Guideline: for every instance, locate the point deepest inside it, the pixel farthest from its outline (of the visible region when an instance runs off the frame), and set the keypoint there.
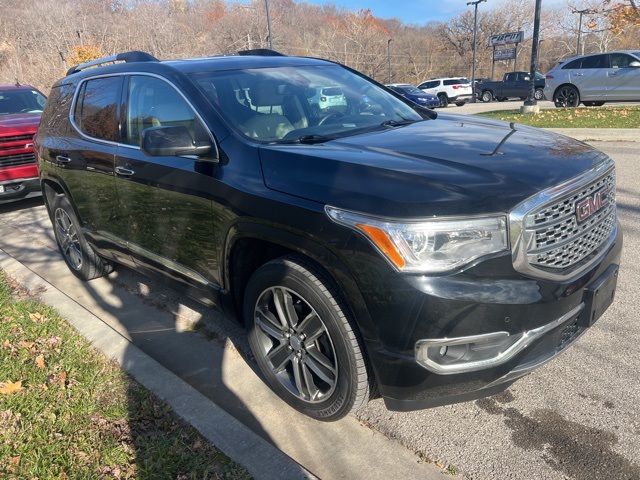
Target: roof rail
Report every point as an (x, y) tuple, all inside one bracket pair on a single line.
[(133, 56), (261, 52)]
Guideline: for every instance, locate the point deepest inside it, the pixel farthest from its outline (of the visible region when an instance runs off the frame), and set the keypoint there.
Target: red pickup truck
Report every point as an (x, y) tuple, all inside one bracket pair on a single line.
[(20, 111)]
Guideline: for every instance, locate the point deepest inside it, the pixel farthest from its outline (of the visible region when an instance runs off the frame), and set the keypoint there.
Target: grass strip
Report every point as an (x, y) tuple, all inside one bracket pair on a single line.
[(66, 412), (587, 117)]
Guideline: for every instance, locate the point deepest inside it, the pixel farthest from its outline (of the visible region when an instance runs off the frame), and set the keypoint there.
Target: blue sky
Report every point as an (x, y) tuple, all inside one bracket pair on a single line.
[(419, 12)]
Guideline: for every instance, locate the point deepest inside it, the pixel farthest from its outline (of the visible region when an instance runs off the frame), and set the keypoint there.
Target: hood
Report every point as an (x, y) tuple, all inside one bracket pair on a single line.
[(447, 166), (19, 123)]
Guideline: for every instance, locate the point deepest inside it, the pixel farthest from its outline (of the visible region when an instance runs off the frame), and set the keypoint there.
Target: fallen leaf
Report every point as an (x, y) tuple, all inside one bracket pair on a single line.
[(11, 387), (37, 317), (40, 362), (27, 345)]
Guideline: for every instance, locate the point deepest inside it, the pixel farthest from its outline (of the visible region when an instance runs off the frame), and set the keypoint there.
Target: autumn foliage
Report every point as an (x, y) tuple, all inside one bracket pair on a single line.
[(84, 53)]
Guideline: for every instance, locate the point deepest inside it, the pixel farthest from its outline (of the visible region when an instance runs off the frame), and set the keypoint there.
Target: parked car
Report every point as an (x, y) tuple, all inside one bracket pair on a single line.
[(20, 110), (328, 98), (449, 90), (415, 94), (384, 249), (595, 79), (513, 85)]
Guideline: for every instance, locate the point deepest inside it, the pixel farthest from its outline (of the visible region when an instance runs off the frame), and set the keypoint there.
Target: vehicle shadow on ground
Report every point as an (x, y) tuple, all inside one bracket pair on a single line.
[(189, 339)]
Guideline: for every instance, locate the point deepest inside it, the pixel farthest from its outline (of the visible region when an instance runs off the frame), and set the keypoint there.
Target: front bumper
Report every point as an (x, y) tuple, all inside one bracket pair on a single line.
[(494, 330), (19, 189)]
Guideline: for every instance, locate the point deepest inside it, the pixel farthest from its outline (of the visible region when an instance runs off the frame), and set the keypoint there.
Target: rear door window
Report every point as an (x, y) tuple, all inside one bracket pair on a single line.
[(595, 61)]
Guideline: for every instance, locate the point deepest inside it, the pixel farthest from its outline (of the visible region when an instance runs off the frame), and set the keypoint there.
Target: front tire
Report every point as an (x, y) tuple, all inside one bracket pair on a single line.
[(566, 96), (444, 100), (305, 340), (81, 259), (538, 94)]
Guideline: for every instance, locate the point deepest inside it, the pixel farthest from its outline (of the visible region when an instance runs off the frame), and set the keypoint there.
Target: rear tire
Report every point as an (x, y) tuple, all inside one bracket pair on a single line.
[(81, 259), (305, 340), (487, 96), (566, 96), (444, 100)]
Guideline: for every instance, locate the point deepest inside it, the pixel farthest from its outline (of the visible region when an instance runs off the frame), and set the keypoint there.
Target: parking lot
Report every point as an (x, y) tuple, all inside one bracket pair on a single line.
[(576, 417)]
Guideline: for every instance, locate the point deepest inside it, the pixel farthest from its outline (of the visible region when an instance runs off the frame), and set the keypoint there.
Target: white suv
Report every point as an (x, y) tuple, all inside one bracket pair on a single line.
[(449, 90)]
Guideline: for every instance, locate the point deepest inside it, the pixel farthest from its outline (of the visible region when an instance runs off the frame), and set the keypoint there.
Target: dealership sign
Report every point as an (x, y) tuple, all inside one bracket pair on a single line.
[(506, 39), (504, 54)]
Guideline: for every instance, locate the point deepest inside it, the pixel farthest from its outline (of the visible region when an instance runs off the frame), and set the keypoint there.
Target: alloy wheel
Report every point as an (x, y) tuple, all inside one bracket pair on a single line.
[(567, 97), (296, 344), (67, 237)]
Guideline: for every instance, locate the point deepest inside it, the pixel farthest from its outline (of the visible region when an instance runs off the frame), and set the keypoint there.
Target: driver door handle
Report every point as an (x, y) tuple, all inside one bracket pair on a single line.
[(124, 171)]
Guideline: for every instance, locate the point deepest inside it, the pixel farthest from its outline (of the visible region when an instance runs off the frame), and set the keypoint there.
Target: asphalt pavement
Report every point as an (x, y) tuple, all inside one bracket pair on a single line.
[(208, 378)]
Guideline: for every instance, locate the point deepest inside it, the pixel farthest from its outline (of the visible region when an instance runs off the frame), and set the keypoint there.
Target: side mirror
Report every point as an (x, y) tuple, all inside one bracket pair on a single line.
[(634, 64), (172, 140)]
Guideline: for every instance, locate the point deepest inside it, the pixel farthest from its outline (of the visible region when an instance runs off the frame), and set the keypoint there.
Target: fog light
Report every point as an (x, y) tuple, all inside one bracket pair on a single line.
[(466, 354), (447, 356)]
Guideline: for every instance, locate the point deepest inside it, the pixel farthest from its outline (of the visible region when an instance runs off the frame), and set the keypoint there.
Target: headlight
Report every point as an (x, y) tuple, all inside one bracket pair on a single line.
[(430, 245)]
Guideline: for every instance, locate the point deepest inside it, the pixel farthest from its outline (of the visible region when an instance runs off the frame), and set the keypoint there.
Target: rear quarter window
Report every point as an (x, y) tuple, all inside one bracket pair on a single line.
[(577, 63), (56, 111), (96, 110)]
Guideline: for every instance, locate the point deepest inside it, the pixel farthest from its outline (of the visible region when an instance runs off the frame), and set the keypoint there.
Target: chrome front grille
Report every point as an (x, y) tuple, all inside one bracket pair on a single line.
[(565, 228)]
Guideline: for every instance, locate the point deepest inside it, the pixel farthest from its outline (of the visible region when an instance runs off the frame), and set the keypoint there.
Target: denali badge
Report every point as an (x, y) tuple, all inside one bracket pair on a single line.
[(590, 205)]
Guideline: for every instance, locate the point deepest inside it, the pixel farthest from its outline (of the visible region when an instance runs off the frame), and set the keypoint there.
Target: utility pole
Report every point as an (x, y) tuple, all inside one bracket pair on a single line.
[(473, 66), (531, 101), (389, 57), (581, 12), (266, 2)]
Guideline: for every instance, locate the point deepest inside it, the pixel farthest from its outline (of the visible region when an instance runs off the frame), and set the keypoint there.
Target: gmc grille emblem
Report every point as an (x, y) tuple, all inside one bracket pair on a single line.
[(590, 205)]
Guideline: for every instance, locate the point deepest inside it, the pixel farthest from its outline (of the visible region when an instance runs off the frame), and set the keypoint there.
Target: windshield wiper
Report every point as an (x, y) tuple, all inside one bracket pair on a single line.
[(396, 123), (310, 139)]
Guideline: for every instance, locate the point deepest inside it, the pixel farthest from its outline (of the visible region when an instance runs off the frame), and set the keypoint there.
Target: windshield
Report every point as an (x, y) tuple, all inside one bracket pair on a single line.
[(21, 101), (303, 103)]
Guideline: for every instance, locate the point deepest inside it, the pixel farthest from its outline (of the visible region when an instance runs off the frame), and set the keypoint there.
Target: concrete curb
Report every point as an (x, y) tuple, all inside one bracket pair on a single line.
[(259, 457)]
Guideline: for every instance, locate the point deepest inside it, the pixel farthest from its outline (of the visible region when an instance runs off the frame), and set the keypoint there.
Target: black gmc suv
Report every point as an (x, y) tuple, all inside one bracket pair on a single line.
[(373, 247)]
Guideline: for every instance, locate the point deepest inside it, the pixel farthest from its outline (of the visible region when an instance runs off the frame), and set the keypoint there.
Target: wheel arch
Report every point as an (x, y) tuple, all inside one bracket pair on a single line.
[(50, 189), (566, 84), (250, 245)]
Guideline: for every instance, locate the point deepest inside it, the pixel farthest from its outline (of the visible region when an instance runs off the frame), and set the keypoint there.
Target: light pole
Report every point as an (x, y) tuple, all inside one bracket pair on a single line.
[(266, 2), (473, 66), (389, 57), (531, 100)]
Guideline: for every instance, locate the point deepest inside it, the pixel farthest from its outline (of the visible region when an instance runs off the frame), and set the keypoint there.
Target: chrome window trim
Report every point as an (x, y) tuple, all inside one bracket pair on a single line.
[(517, 228)]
